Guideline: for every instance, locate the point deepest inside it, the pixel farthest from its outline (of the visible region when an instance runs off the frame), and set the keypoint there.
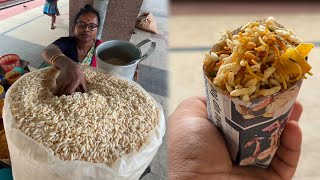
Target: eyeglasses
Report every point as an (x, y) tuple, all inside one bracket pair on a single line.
[(83, 25)]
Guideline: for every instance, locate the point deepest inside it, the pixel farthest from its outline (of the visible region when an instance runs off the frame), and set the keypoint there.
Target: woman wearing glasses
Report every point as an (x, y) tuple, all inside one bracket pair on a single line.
[(67, 53)]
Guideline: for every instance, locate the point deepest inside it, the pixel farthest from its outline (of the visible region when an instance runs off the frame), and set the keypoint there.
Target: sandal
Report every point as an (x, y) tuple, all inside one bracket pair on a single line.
[(52, 26)]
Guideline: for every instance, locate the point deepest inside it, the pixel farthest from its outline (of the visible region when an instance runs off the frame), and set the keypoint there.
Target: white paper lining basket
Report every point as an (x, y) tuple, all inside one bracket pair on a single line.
[(31, 160)]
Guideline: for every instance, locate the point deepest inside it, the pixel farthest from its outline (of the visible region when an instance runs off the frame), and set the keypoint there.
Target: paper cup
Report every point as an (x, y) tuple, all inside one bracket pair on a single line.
[(251, 130)]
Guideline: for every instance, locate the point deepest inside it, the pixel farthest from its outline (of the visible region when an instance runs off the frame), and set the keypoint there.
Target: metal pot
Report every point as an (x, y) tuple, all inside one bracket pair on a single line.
[(125, 56)]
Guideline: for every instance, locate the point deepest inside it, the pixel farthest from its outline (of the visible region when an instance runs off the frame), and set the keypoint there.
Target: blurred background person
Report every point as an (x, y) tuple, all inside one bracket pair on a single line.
[(51, 9)]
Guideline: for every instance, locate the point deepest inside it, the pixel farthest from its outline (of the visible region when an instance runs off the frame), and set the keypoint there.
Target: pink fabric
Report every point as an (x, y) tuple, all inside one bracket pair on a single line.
[(94, 60)]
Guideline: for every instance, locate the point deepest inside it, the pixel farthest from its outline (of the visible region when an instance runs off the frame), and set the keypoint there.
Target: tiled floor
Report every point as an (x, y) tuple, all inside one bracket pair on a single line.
[(28, 31), (194, 29)]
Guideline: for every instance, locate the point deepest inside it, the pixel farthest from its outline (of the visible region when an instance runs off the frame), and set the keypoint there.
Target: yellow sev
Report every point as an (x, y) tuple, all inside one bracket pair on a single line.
[(277, 53), (310, 73), (252, 73), (234, 57), (279, 71), (262, 42), (254, 62), (265, 57)]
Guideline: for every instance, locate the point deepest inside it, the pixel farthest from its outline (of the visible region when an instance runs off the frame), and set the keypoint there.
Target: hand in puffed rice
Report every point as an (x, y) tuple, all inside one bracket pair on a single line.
[(257, 60), (70, 79), (197, 150)]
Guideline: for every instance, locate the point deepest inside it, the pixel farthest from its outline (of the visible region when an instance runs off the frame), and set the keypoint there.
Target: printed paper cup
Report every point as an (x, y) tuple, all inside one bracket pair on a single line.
[(251, 129)]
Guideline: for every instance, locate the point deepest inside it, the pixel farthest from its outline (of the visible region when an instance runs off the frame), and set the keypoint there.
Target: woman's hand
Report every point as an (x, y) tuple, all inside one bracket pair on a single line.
[(70, 79), (197, 149)]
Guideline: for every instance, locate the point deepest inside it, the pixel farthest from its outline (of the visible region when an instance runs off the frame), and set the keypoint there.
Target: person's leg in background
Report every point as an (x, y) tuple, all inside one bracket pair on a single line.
[(53, 20)]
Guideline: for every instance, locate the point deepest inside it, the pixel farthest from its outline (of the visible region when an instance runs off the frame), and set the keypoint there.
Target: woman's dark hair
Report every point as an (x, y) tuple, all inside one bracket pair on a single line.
[(87, 9)]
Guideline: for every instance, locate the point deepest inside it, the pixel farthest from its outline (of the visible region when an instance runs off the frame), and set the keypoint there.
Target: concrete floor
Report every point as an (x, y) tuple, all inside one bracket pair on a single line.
[(26, 31), (194, 28)]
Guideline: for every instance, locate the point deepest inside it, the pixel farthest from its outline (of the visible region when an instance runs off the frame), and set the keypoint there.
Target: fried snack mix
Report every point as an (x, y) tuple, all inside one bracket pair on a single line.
[(259, 59)]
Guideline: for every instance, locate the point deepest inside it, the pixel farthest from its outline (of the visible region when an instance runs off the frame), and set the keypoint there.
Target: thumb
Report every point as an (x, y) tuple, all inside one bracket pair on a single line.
[(296, 111), (286, 159)]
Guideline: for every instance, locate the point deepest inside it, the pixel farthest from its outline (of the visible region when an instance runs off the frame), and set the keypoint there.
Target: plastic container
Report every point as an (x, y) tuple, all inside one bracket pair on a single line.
[(19, 69), (2, 92), (12, 76), (9, 61)]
